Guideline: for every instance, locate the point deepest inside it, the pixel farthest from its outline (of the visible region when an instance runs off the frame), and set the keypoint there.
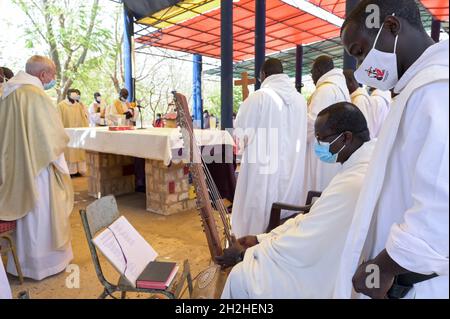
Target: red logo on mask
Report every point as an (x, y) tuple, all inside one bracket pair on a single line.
[(376, 73)]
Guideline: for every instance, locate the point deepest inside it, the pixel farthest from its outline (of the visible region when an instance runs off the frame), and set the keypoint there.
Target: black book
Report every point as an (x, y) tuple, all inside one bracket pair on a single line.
[(157, 274)]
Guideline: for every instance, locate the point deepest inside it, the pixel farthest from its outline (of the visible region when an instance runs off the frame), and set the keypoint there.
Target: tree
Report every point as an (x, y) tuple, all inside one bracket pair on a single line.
[(215, 101), (159, 74), (70, 30)]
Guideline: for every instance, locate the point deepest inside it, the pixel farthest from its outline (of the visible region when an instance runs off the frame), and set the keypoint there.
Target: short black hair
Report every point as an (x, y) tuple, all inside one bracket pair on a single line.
[(346, 117), (97, 94), (323, 63), (73, 91), (272, 66), (7, 73), (405, 9)]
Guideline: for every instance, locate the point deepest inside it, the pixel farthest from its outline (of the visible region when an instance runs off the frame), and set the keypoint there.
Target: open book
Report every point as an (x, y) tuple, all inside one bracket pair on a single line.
[(125, 249)]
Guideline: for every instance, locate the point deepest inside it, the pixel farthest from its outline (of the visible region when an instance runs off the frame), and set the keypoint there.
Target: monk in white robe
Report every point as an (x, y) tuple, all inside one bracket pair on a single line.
[(381, 101), (296, 260), (5, 289), (401, 222), (330, 89), (97, 111), (74, 114), (35, 185), (273, 121)]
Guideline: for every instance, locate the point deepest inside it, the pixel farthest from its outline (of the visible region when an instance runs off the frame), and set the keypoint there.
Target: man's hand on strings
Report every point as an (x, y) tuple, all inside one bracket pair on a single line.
[(231, 255)]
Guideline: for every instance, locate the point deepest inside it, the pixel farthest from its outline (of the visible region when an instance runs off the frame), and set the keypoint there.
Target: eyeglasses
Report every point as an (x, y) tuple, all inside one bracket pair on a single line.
[(325, 137)]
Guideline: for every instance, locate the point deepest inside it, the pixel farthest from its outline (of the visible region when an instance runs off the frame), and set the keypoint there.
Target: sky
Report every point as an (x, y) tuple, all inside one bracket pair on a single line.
[(11, 41), (12, 44)]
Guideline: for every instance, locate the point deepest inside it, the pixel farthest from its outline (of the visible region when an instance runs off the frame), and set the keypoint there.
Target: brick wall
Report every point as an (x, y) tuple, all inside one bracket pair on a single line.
[(168, 188), (110, 174)]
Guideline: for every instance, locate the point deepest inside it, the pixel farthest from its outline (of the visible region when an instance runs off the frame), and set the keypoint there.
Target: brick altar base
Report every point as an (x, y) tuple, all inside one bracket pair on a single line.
[(168, 188), (110, 174)]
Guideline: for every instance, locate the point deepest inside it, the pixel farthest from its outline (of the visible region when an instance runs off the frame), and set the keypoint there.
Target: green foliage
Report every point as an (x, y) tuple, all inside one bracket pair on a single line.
[(77, 41), (213, 102)]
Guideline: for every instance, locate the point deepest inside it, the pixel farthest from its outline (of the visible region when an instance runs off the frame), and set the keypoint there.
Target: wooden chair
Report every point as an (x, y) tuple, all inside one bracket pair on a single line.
[(6, 230), (99, 215), (275, 214)]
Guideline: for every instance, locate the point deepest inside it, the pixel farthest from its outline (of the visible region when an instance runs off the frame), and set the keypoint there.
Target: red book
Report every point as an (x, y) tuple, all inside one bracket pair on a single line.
[(121, 128), (157, 275)]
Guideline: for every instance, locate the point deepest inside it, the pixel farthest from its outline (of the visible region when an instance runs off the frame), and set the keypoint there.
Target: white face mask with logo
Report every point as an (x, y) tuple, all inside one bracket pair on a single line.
[(379, 69)]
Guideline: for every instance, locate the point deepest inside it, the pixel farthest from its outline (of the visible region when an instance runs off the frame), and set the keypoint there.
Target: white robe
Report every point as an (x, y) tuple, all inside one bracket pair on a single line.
[(362, 100), (94, 116), (297, 259), (381, 101), (331, 88), (5, 289), (273, 163), (38, 259), (404, 204)]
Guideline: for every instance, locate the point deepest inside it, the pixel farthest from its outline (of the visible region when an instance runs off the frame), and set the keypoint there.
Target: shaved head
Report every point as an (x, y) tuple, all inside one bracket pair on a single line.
[(322, 65), (37, 64), (270, 67), (41, 67)]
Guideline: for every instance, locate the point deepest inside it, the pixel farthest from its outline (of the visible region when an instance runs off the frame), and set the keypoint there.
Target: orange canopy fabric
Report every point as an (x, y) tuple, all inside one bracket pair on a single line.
[(286, 27), (438, 8)]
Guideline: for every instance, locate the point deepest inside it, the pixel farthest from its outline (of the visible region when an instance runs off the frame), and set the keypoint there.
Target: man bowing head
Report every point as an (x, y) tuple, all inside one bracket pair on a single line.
[(35, 186), (401, 219)]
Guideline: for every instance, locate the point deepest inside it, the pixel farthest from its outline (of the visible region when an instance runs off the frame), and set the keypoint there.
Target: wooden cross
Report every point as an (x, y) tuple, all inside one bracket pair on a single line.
[(245, 82)]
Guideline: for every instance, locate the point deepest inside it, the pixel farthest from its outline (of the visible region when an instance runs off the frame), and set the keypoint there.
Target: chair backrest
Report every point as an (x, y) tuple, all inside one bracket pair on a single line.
[(312, 197), (101, 213), (98, 215)]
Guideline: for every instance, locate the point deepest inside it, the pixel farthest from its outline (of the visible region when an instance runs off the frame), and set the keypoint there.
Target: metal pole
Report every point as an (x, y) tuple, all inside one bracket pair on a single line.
[(127, 52), (436, 30), (226, 10), (299, 67), (260, 38), (197, 90)]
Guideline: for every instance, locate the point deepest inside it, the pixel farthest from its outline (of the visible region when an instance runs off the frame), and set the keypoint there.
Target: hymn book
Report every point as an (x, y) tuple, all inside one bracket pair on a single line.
[(157, 275), (125, 249)]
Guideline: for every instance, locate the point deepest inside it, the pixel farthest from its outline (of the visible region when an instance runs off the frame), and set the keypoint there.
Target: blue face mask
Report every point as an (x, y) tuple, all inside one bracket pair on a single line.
[(50, 85), (322, 151)]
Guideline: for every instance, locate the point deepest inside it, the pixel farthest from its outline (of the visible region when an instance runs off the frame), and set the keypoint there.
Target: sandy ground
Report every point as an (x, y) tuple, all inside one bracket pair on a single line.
[(175, 238)]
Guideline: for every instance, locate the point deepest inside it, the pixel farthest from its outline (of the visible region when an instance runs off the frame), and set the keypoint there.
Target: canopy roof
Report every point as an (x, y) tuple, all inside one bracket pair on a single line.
[(144, 8), (438, 8), (193, 26), (286, 26), (331, 47)]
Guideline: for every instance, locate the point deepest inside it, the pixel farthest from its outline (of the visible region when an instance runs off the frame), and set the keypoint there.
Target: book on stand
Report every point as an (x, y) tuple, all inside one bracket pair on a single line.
[(133, 257)]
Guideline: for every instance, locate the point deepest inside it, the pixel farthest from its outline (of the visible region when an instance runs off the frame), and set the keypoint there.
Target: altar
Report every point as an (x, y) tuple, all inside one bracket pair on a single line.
[(111, 158)]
